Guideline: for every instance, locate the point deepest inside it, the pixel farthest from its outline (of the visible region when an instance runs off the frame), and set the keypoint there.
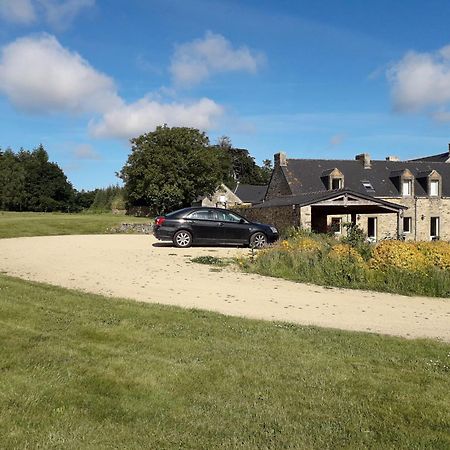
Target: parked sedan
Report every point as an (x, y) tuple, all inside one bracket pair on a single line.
[(199, 225)]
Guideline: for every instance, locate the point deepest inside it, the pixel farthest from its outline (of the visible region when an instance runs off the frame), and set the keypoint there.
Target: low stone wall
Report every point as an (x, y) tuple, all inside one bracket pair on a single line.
[(132, 228), (281, 217)]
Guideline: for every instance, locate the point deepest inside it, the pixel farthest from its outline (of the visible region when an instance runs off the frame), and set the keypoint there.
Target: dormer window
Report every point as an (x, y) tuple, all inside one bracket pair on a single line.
[(404, 182), (407, 188), (333, 179), (431, 181), (434, 188)]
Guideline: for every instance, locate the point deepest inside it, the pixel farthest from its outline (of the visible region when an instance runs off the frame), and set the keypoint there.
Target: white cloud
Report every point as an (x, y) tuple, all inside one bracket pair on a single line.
[(195, 61), (85, 151), (57, 13), (37, 74), (40, 76), (131, 120), (18, 11), (421, 81)]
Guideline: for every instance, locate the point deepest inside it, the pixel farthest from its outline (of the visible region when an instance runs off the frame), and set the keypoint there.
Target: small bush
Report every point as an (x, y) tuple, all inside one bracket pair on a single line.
[(210, 260)]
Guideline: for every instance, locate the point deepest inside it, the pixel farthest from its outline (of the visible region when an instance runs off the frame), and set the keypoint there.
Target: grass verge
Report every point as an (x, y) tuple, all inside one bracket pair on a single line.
[(14, 224), (84, 371)]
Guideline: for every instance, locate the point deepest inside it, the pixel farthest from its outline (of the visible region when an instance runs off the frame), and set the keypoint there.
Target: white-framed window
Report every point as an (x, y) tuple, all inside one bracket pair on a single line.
[(407, 224), (336, 225), (434, 188), (372, 228), (434, 228), (407, 187)]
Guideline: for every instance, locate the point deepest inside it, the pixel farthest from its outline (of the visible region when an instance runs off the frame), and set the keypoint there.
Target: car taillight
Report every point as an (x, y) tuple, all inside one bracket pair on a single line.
[(160, 220)]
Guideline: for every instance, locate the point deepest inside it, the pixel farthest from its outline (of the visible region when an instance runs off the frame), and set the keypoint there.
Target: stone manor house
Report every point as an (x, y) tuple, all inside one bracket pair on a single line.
[(387, 199)]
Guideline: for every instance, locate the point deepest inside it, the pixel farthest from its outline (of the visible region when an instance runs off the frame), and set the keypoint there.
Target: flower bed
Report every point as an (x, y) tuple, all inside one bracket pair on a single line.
[(411, 268)]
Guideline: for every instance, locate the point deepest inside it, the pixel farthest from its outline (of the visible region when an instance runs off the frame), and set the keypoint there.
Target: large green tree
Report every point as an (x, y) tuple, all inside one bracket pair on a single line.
[(169, 168)]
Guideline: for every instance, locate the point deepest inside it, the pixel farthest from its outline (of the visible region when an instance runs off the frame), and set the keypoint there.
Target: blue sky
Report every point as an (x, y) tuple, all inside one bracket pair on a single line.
[(321, 79)]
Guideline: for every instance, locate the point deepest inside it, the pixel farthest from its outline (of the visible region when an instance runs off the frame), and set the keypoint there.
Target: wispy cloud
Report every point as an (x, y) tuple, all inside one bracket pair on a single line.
[(85, 151), (57, 13), (61, 13), (196, 61), (337, 139), (17, 11)]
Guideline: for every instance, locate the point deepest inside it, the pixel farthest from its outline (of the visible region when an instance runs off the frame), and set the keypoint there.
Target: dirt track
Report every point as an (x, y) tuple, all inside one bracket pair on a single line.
[(137, 267)]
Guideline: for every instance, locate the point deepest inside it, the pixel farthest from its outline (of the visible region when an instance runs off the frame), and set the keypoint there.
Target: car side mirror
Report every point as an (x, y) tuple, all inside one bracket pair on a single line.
[(242, 221)]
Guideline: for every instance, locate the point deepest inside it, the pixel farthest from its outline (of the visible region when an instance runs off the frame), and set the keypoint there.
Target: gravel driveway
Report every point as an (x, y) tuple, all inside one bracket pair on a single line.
[(140, 268)]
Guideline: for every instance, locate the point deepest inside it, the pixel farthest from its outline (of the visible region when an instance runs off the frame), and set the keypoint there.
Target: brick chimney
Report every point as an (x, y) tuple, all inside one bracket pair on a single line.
[(280, 160), (392, 158), (365, 158)]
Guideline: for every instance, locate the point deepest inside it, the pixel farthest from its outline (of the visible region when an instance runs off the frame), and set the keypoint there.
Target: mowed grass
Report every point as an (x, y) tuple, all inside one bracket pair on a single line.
[(18, 224), (84, 371)]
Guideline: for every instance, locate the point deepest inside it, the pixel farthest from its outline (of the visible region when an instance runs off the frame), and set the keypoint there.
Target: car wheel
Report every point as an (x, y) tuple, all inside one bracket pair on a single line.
[(182, 239), (258, 240)]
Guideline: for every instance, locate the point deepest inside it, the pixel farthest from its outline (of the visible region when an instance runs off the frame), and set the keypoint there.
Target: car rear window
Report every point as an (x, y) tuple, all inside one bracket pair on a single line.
[(177, 213)]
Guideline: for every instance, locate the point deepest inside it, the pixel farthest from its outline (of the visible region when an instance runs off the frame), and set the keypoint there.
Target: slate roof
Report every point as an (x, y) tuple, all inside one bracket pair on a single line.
[(306, 176), (251, 193), (442, 157), (308, 198)]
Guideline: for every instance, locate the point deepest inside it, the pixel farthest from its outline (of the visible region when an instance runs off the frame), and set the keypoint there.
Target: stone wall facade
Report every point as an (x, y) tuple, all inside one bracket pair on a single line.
[(420, 211), (281, 217)]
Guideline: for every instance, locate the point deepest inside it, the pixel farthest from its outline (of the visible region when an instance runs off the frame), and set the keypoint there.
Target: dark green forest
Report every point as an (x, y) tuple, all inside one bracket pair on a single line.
[(30, 182)]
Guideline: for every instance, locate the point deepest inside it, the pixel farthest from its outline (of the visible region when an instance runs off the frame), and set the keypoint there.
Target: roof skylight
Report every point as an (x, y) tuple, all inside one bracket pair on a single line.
[(368, 185)]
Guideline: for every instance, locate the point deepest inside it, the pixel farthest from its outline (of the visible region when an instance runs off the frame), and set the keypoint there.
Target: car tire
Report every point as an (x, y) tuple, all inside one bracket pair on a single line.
[(258, 240), (182, 239)]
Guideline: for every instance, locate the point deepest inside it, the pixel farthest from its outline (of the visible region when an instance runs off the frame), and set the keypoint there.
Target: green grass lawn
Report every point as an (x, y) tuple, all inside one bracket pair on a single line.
[(83, 371), (14, 224)]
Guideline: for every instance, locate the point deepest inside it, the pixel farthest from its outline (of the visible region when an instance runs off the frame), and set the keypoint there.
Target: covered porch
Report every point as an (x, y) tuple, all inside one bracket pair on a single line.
[(354, 206)]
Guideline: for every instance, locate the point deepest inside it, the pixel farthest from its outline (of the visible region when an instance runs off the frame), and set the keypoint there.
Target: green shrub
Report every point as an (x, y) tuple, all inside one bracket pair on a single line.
[(310, 258)]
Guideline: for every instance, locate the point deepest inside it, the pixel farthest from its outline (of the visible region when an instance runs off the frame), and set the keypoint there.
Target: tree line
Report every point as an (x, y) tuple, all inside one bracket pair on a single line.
[(30, 182), (168, 168)]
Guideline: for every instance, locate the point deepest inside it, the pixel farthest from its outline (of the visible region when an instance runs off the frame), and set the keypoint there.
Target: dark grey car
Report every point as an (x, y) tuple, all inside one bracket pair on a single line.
[(200, 225)]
